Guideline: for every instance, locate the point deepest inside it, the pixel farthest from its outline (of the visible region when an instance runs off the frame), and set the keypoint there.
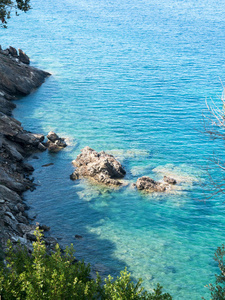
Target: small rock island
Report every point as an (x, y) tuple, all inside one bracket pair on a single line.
[(100, 166)]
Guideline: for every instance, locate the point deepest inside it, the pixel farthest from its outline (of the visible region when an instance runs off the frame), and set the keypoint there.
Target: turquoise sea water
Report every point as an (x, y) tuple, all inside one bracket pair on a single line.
[(130, 78)]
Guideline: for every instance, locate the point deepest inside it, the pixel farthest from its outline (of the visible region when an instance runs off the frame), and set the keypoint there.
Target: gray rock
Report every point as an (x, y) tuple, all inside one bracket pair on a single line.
[(28, 138), (26, 228), (61, 143), (12, 150), (52, 136), (20, 207), (10, 215), (23, 57), (13, 51), (31, 237), (18, 79), (50, 241), (22, 219), (6, 106), (53, 147), (41, 147), (55, 143), (150, 185), (11, 183), (9, 195), (10, 222), (9, 126), (102, 167), (27, 167)]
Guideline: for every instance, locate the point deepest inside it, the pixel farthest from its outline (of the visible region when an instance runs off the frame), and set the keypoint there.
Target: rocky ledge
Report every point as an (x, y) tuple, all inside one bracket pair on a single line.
[(150, 185), (100, 166), (17, 79)]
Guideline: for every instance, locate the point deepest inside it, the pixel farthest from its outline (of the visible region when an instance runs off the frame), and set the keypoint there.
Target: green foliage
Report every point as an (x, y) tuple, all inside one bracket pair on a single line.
[(123, 288), (57, 276), (218, 289), (1, 253), (8, 6)]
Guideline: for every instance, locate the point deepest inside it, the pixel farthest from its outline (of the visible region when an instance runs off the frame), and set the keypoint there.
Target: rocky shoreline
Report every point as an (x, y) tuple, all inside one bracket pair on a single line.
[(18, 79)]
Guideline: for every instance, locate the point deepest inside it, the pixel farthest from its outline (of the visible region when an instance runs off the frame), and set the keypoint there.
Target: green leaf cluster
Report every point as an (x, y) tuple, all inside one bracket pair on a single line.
[(59, 276), (218, 289), (8, 6)]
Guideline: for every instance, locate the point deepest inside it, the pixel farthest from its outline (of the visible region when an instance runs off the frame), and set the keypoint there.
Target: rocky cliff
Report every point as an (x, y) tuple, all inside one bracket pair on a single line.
[(17, 79)]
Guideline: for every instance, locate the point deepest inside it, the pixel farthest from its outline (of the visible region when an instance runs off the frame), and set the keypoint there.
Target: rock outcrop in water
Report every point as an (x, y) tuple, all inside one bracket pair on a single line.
[(16, 79), (148, 184), (100, 166), (55, 143)]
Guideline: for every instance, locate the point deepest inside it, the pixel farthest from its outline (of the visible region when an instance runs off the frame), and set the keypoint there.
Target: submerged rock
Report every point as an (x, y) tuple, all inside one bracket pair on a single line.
[(100, 166)]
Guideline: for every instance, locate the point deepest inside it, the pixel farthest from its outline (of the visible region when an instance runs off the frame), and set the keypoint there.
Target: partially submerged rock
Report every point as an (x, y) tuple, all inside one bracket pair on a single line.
[(169, 180), (55, 143), (100, 166), (148, 184)]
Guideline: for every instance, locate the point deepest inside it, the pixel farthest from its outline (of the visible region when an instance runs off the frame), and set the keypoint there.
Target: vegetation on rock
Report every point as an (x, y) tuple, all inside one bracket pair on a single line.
[(59, 276), (218, 289)]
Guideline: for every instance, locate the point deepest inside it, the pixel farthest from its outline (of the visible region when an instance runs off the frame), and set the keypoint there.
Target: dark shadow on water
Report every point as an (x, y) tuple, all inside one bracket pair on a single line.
[(56, 204), (55, 201)]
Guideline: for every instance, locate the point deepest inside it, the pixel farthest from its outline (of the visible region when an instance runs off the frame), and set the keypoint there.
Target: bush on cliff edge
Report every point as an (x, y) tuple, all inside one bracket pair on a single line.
[(57, 276)]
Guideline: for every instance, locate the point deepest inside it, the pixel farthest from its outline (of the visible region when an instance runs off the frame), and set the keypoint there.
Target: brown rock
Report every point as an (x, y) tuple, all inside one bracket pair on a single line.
[(102, 167), (13, 51), (169, 180), (55, 143), (148, 184)]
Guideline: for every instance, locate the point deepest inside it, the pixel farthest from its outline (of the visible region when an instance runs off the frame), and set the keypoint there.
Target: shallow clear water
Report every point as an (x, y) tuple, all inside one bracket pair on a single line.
[(130, 78)]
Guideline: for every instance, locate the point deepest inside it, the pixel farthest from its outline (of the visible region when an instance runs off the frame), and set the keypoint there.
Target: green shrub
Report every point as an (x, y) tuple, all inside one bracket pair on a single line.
[(218, 289), (57, 276)]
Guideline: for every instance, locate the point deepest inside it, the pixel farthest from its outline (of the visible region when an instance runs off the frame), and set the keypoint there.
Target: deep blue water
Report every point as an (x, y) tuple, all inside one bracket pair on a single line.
[(129, 78)]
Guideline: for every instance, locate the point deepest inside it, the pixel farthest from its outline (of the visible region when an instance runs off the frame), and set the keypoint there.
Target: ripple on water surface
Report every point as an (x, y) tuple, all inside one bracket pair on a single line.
[(130, 78)]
